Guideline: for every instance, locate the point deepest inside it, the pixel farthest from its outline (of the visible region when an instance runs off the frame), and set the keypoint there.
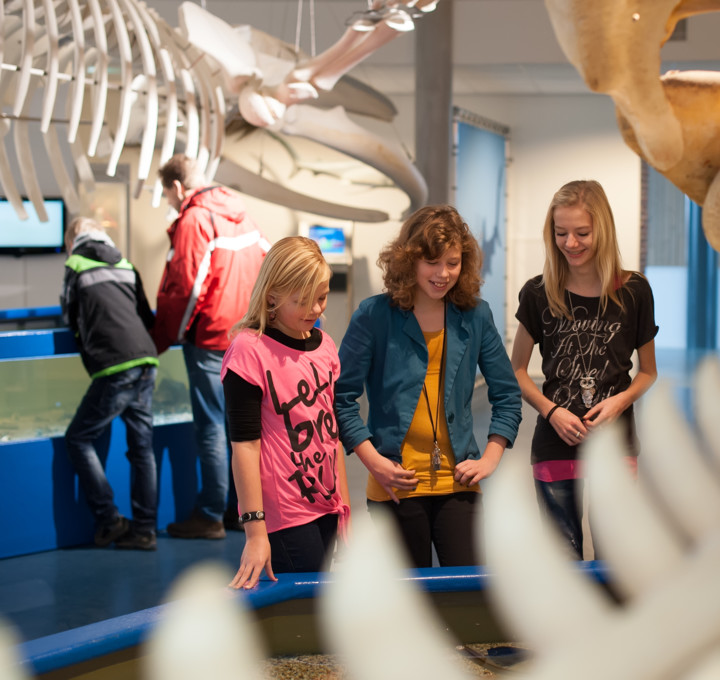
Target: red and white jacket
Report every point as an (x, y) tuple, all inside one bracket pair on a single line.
[(215, 255)]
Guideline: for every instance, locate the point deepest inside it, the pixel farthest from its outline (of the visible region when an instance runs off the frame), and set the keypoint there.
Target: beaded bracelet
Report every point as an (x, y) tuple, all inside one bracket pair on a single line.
[(551, 411)]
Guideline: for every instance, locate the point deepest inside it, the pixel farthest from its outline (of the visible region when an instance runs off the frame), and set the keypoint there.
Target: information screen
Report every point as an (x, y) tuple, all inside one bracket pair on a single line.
[(29, 236)]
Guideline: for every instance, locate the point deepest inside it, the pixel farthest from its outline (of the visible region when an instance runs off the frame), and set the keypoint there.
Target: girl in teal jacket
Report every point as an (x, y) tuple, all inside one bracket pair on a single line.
[(414, 351)]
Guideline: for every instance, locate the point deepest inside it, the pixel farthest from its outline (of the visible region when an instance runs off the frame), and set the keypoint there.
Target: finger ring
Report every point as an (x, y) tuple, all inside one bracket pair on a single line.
[(578, 435)]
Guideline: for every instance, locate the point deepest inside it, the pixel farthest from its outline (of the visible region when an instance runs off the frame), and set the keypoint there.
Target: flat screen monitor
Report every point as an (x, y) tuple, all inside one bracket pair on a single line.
[(31, 236)]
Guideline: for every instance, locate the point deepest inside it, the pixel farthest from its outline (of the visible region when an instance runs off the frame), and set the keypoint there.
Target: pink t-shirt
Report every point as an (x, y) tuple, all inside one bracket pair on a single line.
[(299, 435)]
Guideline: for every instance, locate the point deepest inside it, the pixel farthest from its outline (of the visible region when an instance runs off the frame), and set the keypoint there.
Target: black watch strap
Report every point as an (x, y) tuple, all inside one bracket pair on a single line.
[(252, 516)]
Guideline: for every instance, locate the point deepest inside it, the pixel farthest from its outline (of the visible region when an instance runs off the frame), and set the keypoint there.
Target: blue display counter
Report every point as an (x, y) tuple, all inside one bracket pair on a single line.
[(43, 381), (286, 613)]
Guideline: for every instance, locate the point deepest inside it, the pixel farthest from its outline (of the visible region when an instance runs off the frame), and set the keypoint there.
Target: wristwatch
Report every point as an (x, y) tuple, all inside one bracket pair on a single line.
[(252, 516)]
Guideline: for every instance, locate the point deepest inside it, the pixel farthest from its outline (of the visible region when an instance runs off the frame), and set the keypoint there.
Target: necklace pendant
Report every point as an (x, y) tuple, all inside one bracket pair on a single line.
[(587, 381), (587, 390), (435, 457)]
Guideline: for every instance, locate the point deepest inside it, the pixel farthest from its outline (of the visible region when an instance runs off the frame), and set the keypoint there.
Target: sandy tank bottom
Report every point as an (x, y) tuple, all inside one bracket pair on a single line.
[(476, 660)]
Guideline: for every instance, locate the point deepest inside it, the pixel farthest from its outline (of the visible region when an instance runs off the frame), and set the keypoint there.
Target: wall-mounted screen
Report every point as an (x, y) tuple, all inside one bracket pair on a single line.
[(332, 242), (330, 239), (31, 236)]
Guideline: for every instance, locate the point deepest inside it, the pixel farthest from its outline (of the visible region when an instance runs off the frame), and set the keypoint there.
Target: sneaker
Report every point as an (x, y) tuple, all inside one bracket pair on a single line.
[(137, 540), (231, 521), (105, 535), (197, 526)]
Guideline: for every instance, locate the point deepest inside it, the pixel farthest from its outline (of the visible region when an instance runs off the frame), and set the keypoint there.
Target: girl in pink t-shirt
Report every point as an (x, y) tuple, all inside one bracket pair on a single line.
[(279, 378)]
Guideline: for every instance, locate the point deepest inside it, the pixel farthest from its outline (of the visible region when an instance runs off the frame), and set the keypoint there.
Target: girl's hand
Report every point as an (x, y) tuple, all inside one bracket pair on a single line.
[(391, 475), (255, 558), (388, 474), (605, 411), (571, 429), (469, 472)]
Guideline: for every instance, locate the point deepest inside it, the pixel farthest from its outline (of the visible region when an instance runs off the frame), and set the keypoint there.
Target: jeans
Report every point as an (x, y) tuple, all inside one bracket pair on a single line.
[(129, 395), (561, 502), (446, 522), (207, 400), (304, 548)]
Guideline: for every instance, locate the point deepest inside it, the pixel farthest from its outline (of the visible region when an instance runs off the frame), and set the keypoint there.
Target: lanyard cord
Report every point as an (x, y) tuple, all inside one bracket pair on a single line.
[(436, 423)]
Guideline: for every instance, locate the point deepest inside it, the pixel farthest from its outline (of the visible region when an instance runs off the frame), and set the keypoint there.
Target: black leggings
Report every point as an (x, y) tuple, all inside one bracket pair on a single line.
[(447, 522), (304, 548), (561, 502)]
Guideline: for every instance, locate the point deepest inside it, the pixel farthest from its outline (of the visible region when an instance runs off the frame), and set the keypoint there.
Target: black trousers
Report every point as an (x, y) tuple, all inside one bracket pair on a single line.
[(304, 548), (447, 522)]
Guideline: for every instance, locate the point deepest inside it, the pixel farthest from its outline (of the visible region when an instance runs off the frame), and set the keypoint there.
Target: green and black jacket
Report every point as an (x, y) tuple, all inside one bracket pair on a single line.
[(104, 304)]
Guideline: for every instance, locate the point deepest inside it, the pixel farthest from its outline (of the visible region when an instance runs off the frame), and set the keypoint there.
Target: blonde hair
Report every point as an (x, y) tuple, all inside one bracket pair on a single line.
[(81, 225), (294, 264), (427, 234), (589, 195)]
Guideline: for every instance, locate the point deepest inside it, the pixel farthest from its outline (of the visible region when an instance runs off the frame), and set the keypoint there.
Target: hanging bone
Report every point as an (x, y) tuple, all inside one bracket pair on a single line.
[(101, 75), (673, 120)]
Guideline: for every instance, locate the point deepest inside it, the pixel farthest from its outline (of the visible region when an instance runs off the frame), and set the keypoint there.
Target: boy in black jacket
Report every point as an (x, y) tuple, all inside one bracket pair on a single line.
[(104, 305)]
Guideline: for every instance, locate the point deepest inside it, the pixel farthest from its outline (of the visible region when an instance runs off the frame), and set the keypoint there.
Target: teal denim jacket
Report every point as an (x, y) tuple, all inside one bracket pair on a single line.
[(383, 353)]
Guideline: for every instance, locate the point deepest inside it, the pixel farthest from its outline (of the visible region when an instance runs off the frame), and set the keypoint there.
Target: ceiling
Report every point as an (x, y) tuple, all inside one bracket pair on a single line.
[(500, 79), (482, 79)]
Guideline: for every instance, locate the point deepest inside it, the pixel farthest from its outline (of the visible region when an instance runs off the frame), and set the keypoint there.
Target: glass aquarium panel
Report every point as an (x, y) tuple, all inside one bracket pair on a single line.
[(39, 396)]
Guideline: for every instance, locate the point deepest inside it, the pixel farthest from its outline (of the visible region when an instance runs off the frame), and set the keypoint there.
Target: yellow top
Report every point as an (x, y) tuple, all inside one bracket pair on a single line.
[(419, 441)]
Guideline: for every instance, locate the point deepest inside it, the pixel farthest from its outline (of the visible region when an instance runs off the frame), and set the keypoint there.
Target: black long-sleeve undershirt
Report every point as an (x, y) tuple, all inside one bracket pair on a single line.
[(243, 400)]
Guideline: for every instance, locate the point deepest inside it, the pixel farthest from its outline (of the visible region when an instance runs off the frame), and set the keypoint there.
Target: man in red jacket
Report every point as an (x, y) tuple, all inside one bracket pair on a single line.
[(215, 254)]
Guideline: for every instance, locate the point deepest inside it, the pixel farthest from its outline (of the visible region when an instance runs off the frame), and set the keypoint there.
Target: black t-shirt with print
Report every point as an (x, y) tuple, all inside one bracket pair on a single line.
[(600, 343)]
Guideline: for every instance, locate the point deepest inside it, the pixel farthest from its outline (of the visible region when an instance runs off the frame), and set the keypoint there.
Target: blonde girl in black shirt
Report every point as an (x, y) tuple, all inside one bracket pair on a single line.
[(588, 315)]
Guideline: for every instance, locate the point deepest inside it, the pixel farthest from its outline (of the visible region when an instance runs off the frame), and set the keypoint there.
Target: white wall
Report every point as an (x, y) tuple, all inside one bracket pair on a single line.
[(30, 280), (553, 140)]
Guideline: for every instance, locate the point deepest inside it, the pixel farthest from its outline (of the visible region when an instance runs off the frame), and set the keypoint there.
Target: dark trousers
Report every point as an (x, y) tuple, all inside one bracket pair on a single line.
[(304, 548), (127, 394), (207, 401), (446, 522), (561, 502)]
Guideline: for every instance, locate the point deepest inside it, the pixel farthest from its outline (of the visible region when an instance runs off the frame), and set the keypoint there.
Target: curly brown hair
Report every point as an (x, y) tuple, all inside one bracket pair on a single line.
[(427, 234)]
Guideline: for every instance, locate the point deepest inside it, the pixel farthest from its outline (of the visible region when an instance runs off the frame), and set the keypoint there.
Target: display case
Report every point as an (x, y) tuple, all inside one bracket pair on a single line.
[(43, 381), (41, 393)]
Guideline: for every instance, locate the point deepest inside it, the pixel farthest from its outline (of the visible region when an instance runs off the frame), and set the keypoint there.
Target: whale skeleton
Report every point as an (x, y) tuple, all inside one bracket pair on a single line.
[(672, 120), (99, 76)]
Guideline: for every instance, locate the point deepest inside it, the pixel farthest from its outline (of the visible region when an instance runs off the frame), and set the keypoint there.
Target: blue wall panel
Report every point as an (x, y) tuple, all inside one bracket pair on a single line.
[(480, 199), (41, 507)]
